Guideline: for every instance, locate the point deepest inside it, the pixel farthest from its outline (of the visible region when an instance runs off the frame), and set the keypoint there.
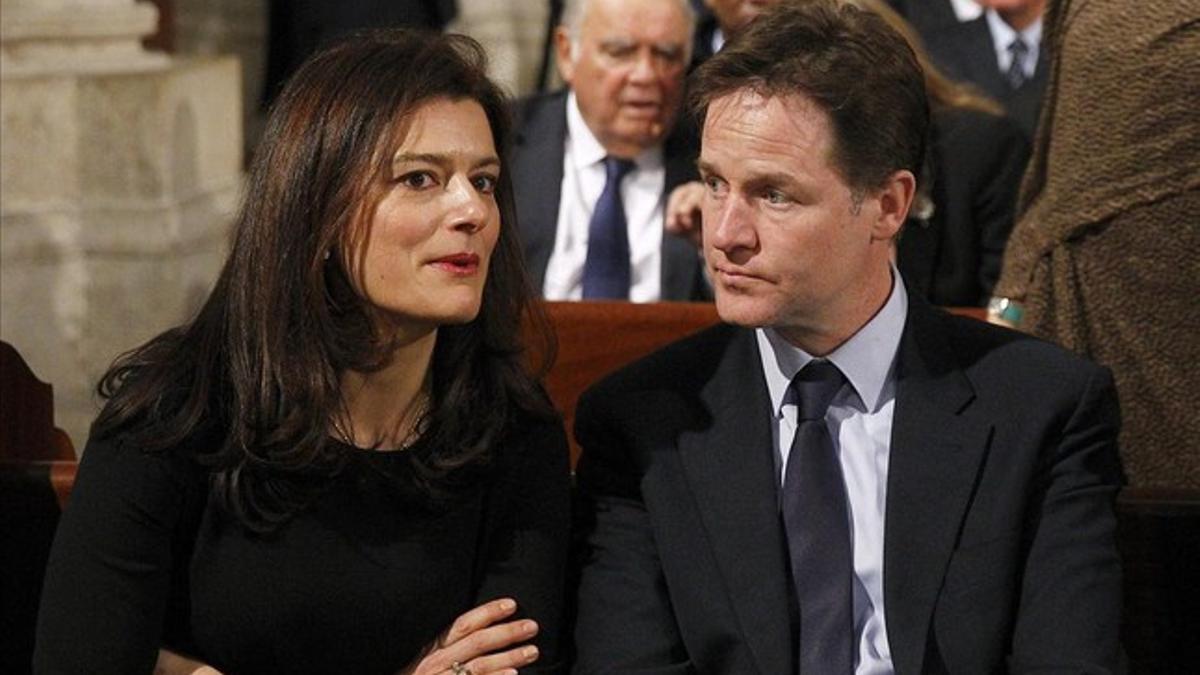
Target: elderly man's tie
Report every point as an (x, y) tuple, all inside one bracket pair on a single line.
[(606, 271)]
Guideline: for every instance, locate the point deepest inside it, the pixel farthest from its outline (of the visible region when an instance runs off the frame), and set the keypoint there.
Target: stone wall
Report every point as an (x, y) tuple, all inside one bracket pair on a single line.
[(512, 33), (119, 173)]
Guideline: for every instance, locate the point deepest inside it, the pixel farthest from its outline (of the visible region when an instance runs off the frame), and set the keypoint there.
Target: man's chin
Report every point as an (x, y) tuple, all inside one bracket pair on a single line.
[(744, 311), (642, 132)]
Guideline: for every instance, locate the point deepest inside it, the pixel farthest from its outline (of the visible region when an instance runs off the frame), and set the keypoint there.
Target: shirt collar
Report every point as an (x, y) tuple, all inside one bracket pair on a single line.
[(718, 40), (865, 359), (1003, 34), (586, 150)]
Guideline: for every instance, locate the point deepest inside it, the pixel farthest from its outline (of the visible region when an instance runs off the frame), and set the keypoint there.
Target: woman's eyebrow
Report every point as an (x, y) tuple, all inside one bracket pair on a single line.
[(442, 159)]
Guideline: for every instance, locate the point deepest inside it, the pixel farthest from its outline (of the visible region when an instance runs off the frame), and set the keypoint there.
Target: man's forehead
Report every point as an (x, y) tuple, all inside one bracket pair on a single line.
[(630, 20), (750, 106)]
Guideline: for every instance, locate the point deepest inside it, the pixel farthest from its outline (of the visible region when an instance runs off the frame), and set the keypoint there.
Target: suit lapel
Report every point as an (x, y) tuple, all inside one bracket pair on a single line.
[(731, 471), (537, 177), (936, 453)]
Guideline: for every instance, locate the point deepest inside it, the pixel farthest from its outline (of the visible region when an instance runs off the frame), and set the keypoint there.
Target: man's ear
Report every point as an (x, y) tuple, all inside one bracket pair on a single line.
[(563, 56), (895, 199)]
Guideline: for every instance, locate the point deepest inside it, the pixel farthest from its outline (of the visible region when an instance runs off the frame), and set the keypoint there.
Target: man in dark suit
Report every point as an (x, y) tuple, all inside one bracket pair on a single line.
[(1000, 52), (592, 165), (720, 20), (844, 479), (930, 17)]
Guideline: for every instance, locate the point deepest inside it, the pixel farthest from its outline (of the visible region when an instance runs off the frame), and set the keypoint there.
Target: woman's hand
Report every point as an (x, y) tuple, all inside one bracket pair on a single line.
[(170, 663), (476, 644), (683, 211)]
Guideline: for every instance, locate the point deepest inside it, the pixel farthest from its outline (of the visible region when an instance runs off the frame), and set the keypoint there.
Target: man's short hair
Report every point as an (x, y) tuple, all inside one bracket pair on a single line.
[(574, 10), (848, 60)]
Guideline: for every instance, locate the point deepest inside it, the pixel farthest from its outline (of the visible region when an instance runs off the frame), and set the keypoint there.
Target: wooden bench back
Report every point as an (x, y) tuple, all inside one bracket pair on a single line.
[(37, 471)]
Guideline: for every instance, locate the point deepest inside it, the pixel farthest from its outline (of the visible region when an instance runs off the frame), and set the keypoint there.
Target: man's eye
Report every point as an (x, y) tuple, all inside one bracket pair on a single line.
[(669, 55), (714, 185), (775, 197), (620, 52)]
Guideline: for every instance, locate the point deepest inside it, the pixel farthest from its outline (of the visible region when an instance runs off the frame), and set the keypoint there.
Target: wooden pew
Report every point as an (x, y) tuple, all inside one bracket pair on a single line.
[(37, 470), (1158, 529), (596, 338)]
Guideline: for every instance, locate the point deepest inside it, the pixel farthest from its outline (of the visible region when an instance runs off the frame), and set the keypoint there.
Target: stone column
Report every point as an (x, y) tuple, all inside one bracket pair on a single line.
[(512, 32), (119, 172)]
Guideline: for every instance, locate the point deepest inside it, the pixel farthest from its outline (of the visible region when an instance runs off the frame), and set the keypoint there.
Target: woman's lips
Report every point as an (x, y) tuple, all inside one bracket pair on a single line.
[(458, 264)]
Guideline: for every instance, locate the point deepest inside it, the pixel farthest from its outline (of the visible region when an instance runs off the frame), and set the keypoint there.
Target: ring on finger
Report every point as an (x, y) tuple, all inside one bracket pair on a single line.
[(459, 669)]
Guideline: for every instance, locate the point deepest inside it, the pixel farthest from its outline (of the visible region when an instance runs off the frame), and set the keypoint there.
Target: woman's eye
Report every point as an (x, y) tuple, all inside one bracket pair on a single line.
[(417, 180), (485, 183)]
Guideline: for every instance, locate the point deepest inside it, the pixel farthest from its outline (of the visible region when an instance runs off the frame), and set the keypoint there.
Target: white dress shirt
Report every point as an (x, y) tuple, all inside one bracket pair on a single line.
[(860, 424), (583, 181), (1003, 36)]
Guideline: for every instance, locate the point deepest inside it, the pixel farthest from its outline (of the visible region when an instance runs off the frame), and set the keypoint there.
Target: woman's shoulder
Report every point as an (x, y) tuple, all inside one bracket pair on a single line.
[(532, 437), (125, 457)]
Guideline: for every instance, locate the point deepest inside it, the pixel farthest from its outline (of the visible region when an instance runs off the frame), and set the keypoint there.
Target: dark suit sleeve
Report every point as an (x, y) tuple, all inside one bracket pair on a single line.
[(994, 202), (105, 599), (1070, 601), (526, 558), (625, 621)]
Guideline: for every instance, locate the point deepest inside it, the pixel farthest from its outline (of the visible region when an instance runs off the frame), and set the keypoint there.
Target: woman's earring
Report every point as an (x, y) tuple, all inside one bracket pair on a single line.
[(327, 253)]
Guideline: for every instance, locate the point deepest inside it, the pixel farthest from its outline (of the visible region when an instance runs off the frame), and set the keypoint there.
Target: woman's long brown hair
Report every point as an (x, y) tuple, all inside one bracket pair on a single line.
[(251, 383)]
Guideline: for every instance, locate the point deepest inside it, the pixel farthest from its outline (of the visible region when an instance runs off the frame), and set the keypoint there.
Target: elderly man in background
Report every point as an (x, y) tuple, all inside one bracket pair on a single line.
[(592, 164)]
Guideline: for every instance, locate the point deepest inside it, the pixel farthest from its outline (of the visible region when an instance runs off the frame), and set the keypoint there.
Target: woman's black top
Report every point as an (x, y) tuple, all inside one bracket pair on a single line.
[(359, 582)]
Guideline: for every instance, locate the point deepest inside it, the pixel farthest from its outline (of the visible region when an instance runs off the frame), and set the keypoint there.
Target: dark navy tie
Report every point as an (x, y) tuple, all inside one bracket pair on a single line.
[(816, 520), (1016, 70), (606, 273)]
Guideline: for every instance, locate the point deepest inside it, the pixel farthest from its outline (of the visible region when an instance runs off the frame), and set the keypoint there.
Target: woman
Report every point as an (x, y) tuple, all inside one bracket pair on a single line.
[(1103, 258), (342, 454)]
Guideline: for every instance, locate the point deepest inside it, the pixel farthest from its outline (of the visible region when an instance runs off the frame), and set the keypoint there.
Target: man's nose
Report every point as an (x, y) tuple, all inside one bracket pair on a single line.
[(644, 68), (728, 226)]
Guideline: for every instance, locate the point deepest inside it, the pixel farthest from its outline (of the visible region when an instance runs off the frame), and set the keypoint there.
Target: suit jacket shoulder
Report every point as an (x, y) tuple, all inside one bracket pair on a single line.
[(540, 125)]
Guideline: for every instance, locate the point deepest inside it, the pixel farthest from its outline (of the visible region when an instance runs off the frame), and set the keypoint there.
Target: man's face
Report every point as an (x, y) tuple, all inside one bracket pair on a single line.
[(787, 242), (1012, 5), (733, 15), (1018, 13), (626, 67)]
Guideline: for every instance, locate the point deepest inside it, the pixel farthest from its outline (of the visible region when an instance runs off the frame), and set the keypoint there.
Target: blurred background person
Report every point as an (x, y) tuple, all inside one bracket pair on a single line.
[(341, 464), (720, 20), (297, 28), (928, 17), (951, 248), (592, 164), (999, 52), (1103, 259)]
